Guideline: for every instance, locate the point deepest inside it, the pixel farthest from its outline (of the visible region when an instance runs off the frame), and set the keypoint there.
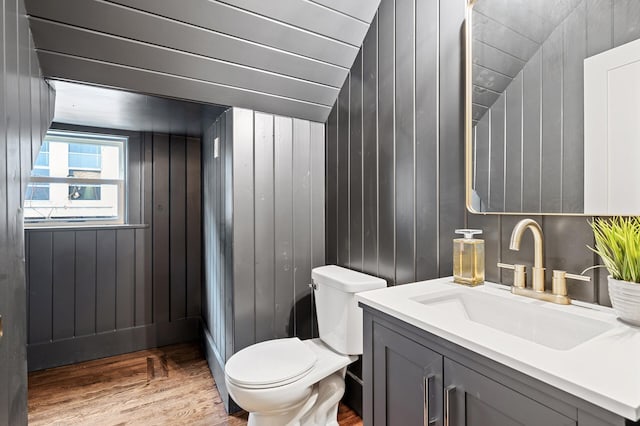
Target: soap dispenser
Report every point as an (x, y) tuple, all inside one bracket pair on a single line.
[(468, 258)]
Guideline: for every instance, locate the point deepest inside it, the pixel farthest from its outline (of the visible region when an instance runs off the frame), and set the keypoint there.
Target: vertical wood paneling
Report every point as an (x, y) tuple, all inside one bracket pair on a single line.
[(317, 191), (482, 144), (405, 141), (85, 298), (125, 277), (426, 123), (599, 26), (451, 152), (40, 296), (194, 226), (575, 51), (161, 240), (177, 227), (531, 133), (343, 174), (626, 15), (243, 229), (105, 281), (142, 308), (497, 155), (227, 236), (302, 228), (145, 289), (513, 148), (332, 186), (63, 285), (551, 160), (355, 165), (134, 179), (283, 186), (369, 149), (386, 138), (264, 229)]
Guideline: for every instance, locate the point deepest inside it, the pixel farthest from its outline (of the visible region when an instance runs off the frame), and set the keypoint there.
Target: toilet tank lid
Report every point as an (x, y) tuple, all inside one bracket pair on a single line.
[(345, 279)]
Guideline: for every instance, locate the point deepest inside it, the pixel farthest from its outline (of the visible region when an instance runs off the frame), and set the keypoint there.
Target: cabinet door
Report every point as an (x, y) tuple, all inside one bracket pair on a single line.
[(407, 381), (471, 399)]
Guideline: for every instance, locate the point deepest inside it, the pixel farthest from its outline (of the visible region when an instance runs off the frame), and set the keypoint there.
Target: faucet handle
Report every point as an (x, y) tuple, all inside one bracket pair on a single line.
[(559, 283), (519, 273)]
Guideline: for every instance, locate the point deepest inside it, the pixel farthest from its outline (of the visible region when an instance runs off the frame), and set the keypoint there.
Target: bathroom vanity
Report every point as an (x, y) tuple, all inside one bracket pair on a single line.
[(437, 353)]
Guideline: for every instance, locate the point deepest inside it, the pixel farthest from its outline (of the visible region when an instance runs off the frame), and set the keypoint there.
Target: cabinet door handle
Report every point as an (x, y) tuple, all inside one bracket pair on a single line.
[(426, 416), (447, 404)]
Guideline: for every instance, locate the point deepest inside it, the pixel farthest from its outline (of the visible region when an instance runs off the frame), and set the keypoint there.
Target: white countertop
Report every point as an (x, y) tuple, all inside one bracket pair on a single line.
[(604, 371)]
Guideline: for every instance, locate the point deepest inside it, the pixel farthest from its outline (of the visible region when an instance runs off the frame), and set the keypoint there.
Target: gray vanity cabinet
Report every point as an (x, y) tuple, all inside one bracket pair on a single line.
[(412, 377), (472, 399), (408, 380)]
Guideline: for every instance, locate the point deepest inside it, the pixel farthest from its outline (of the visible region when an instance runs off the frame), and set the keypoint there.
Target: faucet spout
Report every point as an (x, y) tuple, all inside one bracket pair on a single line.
[(516, 237)]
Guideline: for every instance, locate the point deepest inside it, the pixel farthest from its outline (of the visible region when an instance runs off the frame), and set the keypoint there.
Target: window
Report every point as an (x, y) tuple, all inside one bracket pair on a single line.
[(77, 178)]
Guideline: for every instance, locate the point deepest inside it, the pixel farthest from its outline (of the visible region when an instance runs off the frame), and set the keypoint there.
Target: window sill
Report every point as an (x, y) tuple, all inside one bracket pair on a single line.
[(83, 227)]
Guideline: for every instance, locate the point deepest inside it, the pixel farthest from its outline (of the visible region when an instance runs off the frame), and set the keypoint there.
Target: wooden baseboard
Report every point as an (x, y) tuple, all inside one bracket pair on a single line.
[(101, 345)]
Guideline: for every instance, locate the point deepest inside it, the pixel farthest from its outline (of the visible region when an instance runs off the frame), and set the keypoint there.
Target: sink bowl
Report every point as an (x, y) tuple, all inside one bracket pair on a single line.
[(554, 329)]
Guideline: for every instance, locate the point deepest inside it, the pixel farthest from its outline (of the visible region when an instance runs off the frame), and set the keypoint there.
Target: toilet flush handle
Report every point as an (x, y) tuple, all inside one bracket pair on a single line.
[(313, 286)]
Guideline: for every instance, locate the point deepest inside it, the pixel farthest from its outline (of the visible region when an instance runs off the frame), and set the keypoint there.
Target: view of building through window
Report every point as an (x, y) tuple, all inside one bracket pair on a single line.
[(77, 177)]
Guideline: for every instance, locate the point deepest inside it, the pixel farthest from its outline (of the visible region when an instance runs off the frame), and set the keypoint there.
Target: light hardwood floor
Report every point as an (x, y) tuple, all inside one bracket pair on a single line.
[(166, 386)]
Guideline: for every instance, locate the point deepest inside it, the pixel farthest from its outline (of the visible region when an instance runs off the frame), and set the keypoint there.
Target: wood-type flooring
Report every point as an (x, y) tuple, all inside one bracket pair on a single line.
[(171, 385)]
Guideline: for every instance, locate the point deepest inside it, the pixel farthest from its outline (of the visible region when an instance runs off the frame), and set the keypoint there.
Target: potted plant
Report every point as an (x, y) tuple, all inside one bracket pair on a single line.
[(618, 244)]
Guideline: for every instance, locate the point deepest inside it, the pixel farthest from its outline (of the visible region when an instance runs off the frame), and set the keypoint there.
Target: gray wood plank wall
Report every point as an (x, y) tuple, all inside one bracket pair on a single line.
[(263, 222), (26, 111), (548, 176), (88, 285), (395, 146)]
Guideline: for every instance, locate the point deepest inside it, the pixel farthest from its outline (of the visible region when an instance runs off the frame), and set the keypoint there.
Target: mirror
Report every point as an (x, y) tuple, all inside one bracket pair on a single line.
[(553, 107)]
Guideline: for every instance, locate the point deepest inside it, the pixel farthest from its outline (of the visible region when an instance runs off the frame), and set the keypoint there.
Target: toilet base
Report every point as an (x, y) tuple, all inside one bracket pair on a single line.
[(320, 409)]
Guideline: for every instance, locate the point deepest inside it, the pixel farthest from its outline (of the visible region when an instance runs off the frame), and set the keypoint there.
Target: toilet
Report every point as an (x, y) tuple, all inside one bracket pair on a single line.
[(300, 382)]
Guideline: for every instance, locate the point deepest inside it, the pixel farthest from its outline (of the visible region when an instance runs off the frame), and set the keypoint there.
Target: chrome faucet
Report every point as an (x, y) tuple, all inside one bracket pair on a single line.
[(538, 259), (559, 290)]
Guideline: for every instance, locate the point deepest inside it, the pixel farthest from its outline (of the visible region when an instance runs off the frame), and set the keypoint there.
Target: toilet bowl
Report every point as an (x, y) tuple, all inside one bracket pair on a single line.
[(300, 382)]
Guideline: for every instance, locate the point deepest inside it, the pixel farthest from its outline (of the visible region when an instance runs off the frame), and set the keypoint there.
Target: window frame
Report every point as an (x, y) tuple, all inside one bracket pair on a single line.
[(88, 137)]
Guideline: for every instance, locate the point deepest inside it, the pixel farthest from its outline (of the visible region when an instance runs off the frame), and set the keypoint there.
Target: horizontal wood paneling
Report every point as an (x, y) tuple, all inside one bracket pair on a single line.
[(88, 281), (291, 51)]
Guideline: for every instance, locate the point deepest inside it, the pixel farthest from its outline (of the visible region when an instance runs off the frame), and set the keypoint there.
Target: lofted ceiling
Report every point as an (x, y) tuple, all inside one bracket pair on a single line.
[(287, 57)]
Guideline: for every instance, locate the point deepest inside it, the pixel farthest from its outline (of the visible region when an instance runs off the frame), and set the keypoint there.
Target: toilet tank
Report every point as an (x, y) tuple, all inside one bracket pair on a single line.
[(339, 317)]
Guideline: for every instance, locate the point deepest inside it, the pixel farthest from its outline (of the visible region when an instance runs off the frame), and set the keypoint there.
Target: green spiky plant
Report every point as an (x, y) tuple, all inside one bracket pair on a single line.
[(618, 244)]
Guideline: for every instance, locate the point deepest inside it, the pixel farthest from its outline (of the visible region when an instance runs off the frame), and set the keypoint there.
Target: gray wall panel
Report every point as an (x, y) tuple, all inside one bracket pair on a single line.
[(332, 186), (531, 133), (405, 158), (63, 288), (85, 279), (161, 238), (243, 230), (283, 187), (178, 225), (513, 148), (105, 281), (369, 150), (626, 15), (147, 216), (40, 298), (125, 278), (599, 26), (355, 166), (264, 229), (386, 138), (343, 174), (193, 224), (497, 155)]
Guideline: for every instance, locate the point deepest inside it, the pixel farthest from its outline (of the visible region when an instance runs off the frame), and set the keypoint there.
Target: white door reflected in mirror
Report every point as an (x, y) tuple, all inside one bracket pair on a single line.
[(612, 131)]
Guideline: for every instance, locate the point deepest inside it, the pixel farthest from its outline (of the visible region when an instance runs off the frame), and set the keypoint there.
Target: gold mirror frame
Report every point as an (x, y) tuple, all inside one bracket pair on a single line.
[(468, 128)]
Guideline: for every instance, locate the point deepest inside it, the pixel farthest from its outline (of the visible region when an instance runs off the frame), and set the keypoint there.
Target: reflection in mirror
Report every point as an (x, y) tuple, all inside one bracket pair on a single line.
[(527, 137)]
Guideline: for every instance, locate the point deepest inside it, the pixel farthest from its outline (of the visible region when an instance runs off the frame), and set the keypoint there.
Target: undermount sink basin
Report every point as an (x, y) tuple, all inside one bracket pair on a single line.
[(548, 327)]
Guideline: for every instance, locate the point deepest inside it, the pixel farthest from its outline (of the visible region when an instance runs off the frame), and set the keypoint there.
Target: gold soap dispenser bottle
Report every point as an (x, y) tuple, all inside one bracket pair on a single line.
[(468, 258)]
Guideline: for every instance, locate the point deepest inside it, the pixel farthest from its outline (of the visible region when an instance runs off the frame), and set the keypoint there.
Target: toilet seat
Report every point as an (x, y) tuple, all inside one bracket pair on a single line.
[(270, 364)]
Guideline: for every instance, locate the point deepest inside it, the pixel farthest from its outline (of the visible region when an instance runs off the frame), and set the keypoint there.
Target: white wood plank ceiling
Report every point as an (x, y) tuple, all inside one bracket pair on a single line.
[(287, 57)]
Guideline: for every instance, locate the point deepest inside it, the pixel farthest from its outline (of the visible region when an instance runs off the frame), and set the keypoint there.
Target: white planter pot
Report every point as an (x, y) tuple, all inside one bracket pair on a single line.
[(625, 299)]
